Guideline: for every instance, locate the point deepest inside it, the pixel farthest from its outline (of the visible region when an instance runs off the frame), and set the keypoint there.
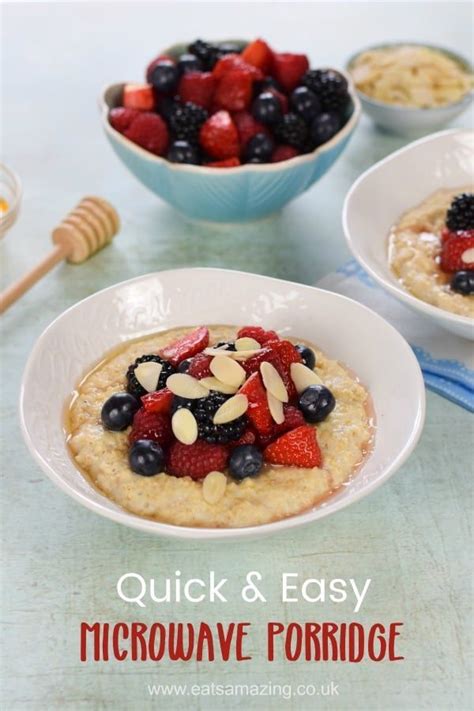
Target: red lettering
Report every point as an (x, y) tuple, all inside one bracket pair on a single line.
[(273, 629), (205, 636), (156, 653), (122, 628), (241, 633), (138, 635), (393, 634)]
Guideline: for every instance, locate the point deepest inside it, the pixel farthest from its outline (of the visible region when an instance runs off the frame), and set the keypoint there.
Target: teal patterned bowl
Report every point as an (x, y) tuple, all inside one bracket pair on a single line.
[(248, 192)]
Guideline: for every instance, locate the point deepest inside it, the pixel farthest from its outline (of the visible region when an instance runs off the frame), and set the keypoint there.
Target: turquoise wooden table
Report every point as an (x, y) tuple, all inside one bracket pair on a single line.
[(61, 563)]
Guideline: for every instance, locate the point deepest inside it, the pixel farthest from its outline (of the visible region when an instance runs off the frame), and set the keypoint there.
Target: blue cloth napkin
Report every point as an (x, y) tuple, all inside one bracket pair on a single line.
[(446, 360)]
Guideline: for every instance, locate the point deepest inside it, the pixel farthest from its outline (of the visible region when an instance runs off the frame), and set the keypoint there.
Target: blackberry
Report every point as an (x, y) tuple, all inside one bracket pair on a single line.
[(134, 387), (329, 86), (205, 410), (186, 120), (460, 215), (229, 345), (291, 129), (207, 53), (178, 403)]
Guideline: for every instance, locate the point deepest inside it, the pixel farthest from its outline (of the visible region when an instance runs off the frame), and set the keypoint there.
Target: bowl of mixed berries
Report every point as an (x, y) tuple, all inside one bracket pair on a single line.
[(230, 131)]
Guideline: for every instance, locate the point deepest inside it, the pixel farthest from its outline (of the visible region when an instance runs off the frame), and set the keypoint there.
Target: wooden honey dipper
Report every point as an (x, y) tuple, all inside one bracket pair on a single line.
[(90, 226)]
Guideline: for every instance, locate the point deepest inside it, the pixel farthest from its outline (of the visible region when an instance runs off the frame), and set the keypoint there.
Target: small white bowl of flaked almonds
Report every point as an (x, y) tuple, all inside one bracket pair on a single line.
[(410, 88)]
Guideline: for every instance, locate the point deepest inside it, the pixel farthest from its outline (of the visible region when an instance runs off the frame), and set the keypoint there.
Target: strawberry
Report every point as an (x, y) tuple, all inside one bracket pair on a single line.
[(293, 419), (259, 333), (150, 132), (289, 68), (197, 87), (230, 62), (158, 401), (227, 163), (196, 460), (153, 64), (284, 152), (259, 54), (199, 366), (457, 252), (187, 346), (281, 98), (258, 411), (283, 355), (138, 96), (298, 448), (234, 90), (247, 126), (121, 118), (151, 425), (252, 364), (218, 136)]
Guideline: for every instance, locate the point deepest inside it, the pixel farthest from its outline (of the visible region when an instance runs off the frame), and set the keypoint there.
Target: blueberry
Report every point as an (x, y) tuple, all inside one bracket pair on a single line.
[(246, 460), (183, 367), (183, 152), (118, 411), (189, 63), (305, 103), (267, 108), (307, 354), (267, 83), (324, 127), (463, 282), (316, 403), (259, 146), (164, 76), (167, 107), (146, 457)]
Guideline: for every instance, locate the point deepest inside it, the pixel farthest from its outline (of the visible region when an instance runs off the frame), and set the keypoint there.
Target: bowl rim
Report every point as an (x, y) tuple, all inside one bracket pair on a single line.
[(343, 132), (187, 532), (429, 309), (459, 58)]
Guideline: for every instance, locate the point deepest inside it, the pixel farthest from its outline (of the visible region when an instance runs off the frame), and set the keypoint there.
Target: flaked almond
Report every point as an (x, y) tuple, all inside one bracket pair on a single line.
[(273, 382), (218, 386), (303, 377), (231, 409), (468, 255), (213, 487), (276, 408), (186, 386), (227, 371), (148, 375), (247, 344), (184, 426), (245, 355), (233, 355)]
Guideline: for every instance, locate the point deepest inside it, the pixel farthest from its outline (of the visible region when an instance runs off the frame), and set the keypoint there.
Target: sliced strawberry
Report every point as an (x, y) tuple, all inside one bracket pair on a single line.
[(186, 346), (297, 448), (196, 460), (219, 137), (259, 54), (258, 411), (158, 401), (199, 366), (230, 62), (247, 126), (121, 118), (252, 364), (138, 96), (197, 87), (259, 333), (151, 425), (457, 252), (293, 419), (227, 163), (289, 68), (284, 152), (234, 90)]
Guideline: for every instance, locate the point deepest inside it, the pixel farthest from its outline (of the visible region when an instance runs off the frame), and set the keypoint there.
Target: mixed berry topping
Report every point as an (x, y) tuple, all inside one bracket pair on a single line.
[(457, 244), (224, 104), (197, 408)]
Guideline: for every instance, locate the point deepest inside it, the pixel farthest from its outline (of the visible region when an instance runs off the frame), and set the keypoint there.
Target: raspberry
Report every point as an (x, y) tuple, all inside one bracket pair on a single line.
[(197, 88), (457, 253), (199, 366), (121, 118), (150, 132), (151, 425), (219, 137), (284, 152), (297, 448), (259, 333), (248, 437), (196, 460)]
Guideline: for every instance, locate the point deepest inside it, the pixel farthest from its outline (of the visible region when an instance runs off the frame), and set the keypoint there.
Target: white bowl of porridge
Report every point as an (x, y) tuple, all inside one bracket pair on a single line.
[(86, 352), (393, 219)]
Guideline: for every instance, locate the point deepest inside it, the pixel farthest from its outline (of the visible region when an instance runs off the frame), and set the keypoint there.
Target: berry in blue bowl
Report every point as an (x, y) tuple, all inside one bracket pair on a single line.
[(230, 131)]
